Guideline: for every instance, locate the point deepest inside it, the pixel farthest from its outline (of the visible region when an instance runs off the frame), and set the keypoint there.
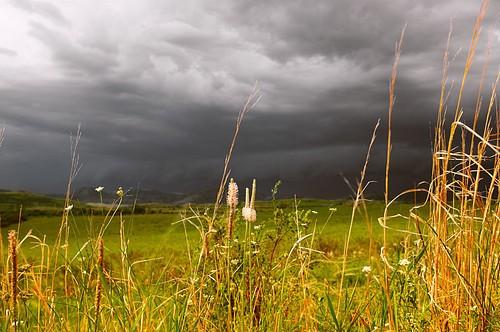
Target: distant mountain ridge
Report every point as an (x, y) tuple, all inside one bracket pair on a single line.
[(141, 196), (28, 199)]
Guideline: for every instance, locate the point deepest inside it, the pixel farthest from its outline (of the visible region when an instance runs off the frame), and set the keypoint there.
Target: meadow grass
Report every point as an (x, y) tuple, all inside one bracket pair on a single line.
[(160, 240), (293, 265)]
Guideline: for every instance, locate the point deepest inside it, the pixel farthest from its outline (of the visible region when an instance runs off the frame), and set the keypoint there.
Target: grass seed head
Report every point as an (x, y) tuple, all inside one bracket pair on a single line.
[(232, 194), (13, 276)]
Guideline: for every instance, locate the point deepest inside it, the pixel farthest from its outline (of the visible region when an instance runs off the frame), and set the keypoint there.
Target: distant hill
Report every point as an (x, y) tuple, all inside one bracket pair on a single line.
[(142, 196), (27, 199), (16, 205)]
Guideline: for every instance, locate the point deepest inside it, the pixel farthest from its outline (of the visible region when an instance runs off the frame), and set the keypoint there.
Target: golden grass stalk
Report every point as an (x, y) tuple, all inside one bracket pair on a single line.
[(392, 100), (250, 103), (13, 275), (98, 290), (357, 201), (62, 240), (461, 203)]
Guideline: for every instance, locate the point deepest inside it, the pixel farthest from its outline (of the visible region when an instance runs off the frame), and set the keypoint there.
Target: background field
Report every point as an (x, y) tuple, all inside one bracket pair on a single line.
[(160, 233)]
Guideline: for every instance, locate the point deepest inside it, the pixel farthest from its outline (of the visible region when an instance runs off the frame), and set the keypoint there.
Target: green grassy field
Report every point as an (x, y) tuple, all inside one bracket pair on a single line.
[(165, 235), (157, 232)]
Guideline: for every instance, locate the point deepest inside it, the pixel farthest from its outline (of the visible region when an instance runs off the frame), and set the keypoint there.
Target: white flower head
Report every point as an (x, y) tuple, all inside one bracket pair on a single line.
[(68, 208), (99, 189), (404, 262), (366, 269), (16, 323), (120, 192), (249, 214)]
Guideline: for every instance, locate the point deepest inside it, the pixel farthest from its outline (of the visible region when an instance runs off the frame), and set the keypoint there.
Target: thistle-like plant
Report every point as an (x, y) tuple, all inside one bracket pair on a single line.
[(232, 203)]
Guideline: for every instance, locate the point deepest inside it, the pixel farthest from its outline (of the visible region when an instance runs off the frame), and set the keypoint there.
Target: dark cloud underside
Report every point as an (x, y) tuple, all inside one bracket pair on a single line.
[(157, 85)]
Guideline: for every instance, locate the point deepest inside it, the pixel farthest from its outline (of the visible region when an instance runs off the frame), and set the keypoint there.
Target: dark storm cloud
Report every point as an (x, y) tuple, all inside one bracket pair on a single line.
[(71, 56), (157, 86)]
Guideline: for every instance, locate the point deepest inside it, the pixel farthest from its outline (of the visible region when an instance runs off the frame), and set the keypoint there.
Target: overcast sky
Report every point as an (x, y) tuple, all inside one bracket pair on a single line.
[(156, 86)]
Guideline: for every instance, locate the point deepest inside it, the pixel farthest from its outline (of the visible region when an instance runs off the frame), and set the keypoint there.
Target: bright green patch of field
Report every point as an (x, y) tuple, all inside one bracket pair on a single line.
[(165, 235)]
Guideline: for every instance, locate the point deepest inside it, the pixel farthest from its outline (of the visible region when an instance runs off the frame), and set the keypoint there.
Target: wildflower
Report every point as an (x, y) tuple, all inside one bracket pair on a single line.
[(314, 212), (248, 212), (99, 189), (333, 209), (68, 208), (366, 269), (16, 323), (120, 193), (24, 268), (257, 227), (232, 194), (232, 202), (404, 262), (234, 261)]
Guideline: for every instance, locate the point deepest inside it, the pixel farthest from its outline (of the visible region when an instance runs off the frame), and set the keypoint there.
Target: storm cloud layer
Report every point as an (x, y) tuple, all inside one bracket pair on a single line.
[(157, 85)]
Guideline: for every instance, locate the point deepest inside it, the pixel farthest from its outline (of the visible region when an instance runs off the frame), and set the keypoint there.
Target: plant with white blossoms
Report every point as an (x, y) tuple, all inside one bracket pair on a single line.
[(404, 262), (120, 193), (366, 269), (248, 212), (68, 208), (232, 203), (99, 189), (232, 194)]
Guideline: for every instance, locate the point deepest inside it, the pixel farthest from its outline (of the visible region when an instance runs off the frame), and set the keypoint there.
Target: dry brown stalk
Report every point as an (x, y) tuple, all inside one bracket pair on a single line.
[(13, 275), (98, 290), (392, 100), (250, 103)]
